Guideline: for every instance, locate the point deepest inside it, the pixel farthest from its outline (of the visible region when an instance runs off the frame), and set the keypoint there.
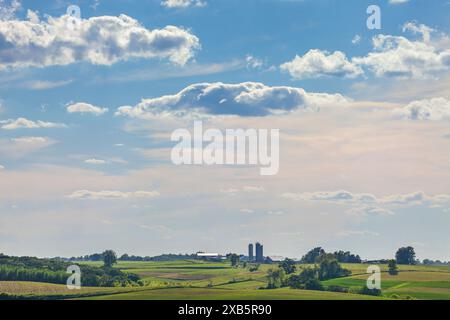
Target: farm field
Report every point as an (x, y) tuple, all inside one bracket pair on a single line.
[(38, 290), (231, 294), (197, 280)]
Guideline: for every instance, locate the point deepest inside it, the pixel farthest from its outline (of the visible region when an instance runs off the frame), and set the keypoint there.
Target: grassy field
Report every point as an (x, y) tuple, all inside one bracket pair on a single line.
[(37, 290), (196, 280)]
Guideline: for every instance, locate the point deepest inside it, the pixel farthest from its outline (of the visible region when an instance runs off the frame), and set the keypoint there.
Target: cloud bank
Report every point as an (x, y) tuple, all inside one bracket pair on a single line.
[(23, 123), (392, 57), (342, 196), (219, 99), (435, 109), (112, 195), (22, 146), (102, 40)]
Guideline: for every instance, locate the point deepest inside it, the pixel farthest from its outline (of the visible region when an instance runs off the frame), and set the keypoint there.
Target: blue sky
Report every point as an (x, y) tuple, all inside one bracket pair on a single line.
[(368, 113)]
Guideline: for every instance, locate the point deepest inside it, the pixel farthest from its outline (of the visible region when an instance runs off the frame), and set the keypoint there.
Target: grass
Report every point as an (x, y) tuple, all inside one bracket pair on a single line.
[(44, 290), (197, 280), (231, 294), (415, 282)]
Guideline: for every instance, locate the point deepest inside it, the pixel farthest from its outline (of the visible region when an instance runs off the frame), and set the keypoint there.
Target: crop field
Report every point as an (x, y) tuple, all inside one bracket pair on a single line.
[(196, 280), (36, 290), (231, 294)]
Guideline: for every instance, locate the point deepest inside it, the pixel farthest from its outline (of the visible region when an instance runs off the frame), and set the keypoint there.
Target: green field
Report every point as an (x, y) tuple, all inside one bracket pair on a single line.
[(196, 280)]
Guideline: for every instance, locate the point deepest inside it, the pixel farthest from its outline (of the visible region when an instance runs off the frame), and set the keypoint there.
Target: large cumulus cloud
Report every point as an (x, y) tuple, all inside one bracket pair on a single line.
[(100, 40), (317, 63), (243, 99), (400, 57), (391, 57)]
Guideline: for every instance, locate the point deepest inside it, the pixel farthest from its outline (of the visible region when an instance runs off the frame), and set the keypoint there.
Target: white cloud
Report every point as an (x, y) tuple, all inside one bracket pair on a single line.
[(369, 210), (338, 196), (392, 56), (427, 109), (317, 63), (402, 58), (44, 85), (244, 189), (112, 195), (2, 167), (422, 29), (20, 147), (416, 198), (362, 233), (95, 4), (398, 1), (345, 197), (22, 123), (183, 3), (253, 62), (356, 39), (102, 40), (82, 107), (8, 9), (95, 161), (30, 140), (368, 204), (242, 99)]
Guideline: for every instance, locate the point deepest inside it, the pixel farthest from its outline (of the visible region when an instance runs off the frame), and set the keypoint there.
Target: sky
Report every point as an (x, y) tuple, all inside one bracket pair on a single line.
[(88, 105)]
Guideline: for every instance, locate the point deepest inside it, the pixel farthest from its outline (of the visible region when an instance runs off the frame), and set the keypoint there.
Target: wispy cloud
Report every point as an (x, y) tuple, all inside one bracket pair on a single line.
[(95, 161), (86, 108), (183, 3), (20, 147), (170, 72), (112, 195), (369, 204), (45, 85), (23, 123)]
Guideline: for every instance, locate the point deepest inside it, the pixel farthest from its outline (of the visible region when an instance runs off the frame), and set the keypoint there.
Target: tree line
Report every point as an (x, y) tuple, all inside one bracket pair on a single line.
[(403, 256), (96, 257), (54, 271), (325, 266), (340, 256)]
